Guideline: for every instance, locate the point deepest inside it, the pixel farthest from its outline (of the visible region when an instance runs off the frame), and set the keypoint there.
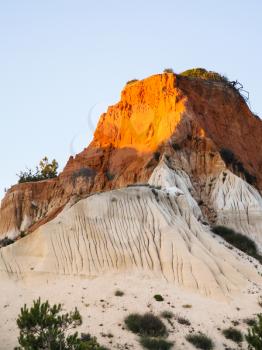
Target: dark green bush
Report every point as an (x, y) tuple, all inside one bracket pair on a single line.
[(146, 325), (155, 344), (167, 314), (168, 70), (200, 341), (183, 320), (5, 242), (227, 155), (119, 293), (233, 334), (89, 343), (238, 240), (250, 321), (158, 297), (254, 337)]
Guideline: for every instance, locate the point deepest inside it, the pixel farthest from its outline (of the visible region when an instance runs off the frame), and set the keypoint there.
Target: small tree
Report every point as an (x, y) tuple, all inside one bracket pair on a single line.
[(48, 170), (254, 337), (45, 327)]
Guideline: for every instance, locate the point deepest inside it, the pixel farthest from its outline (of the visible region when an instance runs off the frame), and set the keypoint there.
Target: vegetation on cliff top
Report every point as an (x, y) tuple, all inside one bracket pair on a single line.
[(45, 170), (204, 74)]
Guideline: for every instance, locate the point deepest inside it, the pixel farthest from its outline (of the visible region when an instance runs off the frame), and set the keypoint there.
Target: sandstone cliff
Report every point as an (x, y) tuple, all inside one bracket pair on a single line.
[(181, 121)]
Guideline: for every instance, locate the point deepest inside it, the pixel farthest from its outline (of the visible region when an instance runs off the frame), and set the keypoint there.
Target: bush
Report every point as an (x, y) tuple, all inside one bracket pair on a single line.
[(204, 74), (5, 242), (119, 293), (168, 70), (254, 337), (167, 314), (200, 341), (238, 240), (250, 321), (89, 343), (183, 321), (44, 171), (233, 334), (229, 158), (155, 344), (44, 327), (146, 325), (158, 297), (227, 155)]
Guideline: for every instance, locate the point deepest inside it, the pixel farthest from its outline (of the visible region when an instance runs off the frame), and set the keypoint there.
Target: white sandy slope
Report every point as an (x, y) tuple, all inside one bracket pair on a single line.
[(141, 239), (238, 205), (104, 313)]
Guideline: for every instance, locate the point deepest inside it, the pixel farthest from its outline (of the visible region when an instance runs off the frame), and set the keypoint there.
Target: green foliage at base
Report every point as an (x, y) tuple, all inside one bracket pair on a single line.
[(158, 297), (5, 242), (155, 344), (254, 337), (233, 334), (44, 327), (147, 325), (238, 240), (200, 341)]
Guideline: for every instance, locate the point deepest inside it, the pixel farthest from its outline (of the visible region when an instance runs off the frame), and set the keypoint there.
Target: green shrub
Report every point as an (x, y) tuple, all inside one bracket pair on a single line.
[(168, 70), (89, 343), (200, 341), (45, 327), (158, 297), (119, 293), (254, 337), (238, 240), (155, 344), (183, 320), (167, 314), (204, 74), (230, 159), (146, 325), (233, 334), (250, 321), (5, 242)]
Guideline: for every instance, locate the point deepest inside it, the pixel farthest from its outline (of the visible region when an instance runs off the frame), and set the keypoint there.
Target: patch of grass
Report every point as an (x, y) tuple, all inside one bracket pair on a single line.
[(155, 344), (167, 314), (119, 293), (204, 74), (238, 240), (250, 321), (183, 320), (233, 334), (200, 341), (147, 325), (158, 297)]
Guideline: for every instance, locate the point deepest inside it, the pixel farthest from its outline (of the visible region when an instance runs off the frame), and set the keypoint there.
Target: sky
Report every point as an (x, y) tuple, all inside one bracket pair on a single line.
[(63, 62)]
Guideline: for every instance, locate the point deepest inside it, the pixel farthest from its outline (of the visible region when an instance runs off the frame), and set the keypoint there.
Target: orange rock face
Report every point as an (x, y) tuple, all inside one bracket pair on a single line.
[(187, 121)]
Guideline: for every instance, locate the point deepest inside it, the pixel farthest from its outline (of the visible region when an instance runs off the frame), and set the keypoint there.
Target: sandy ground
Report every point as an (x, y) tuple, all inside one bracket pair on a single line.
[(103, 312)]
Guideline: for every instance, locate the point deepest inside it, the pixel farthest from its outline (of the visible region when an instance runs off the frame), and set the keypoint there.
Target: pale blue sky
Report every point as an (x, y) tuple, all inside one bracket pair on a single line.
[(61, 61)]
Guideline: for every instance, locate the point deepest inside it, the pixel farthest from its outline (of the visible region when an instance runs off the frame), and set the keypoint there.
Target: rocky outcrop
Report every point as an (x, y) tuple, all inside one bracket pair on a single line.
[(182, 121)]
